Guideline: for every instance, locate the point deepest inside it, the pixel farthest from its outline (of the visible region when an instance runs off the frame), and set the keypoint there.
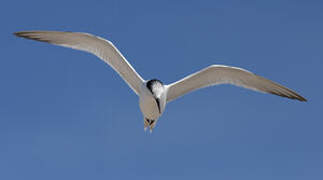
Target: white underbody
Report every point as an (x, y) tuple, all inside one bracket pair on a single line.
[(148, 104)]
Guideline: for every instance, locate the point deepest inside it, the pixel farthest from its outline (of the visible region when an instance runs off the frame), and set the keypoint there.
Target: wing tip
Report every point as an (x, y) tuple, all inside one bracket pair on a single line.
[(293, 96), (302, 99), (32, 35), (18, 33), (299, 98), (23, 33)]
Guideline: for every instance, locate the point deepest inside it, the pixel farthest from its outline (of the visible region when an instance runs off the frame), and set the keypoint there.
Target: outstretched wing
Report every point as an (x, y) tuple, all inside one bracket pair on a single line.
[(100, 47), (219, 74)]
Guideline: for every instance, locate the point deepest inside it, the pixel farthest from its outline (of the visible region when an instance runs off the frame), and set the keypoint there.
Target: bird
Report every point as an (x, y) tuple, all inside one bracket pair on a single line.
[(154, 94)]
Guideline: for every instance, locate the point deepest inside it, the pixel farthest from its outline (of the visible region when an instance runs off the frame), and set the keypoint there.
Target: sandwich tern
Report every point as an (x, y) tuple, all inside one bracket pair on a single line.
[(153, 94)]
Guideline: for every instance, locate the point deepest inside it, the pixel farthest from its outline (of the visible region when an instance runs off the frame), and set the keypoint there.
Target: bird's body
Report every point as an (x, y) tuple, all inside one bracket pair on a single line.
[(152, 101), (148, 104), (153, 94)]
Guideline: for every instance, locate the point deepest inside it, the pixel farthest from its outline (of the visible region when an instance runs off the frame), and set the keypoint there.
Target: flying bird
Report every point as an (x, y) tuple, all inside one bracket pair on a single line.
[(153, 94)]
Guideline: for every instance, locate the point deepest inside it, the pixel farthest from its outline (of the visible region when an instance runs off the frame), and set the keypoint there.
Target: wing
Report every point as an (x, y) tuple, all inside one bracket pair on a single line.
[(100, 47), (218, 74)]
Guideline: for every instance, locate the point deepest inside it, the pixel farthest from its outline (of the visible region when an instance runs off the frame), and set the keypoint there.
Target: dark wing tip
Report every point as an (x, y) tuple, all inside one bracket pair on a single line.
[(302, 99), (22, 34), (30, 35), (299, 98), (19, 34), (282, 91), (290, 96)]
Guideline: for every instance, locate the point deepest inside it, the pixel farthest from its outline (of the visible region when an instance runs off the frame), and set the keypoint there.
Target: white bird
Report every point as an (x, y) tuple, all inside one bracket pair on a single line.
[(153, 94)]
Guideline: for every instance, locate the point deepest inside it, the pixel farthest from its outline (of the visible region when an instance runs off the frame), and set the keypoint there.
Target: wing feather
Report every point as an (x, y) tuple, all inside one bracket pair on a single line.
[(219, 74), (98, 46)]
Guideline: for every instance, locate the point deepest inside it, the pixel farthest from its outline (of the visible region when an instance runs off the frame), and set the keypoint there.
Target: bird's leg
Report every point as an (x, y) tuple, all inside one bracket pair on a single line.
[(152, 124)]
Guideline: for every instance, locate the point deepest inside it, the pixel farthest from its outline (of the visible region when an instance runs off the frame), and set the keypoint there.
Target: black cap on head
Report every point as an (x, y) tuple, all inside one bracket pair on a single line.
[(151, 82)]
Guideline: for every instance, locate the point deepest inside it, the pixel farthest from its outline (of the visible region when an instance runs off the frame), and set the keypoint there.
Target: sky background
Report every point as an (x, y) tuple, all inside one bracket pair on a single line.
[(64, 114)]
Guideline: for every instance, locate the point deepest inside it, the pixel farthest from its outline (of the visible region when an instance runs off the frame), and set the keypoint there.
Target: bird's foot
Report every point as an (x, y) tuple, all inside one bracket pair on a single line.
[(146, 123), (149, 123)]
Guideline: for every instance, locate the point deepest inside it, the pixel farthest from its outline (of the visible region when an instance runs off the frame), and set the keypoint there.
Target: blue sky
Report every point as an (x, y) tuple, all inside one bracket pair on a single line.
[(64, 114)]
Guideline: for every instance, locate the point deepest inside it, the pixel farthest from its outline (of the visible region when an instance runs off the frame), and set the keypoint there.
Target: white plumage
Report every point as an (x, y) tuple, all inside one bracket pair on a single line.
[(153, 94)]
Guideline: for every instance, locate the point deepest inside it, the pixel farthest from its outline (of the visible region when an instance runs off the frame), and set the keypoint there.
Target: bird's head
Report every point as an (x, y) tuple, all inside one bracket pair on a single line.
[(156, 87)]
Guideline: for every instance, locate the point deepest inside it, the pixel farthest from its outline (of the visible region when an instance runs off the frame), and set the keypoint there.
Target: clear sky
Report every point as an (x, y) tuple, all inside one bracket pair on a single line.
[(64, 114)]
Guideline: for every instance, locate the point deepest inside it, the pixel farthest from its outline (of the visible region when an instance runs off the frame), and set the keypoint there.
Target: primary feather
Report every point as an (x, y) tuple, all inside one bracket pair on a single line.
[(98, 46), (219, 74)]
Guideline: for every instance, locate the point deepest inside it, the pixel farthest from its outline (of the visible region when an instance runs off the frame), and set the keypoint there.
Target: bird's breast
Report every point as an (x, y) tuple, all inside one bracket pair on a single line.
[(149, 107)]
